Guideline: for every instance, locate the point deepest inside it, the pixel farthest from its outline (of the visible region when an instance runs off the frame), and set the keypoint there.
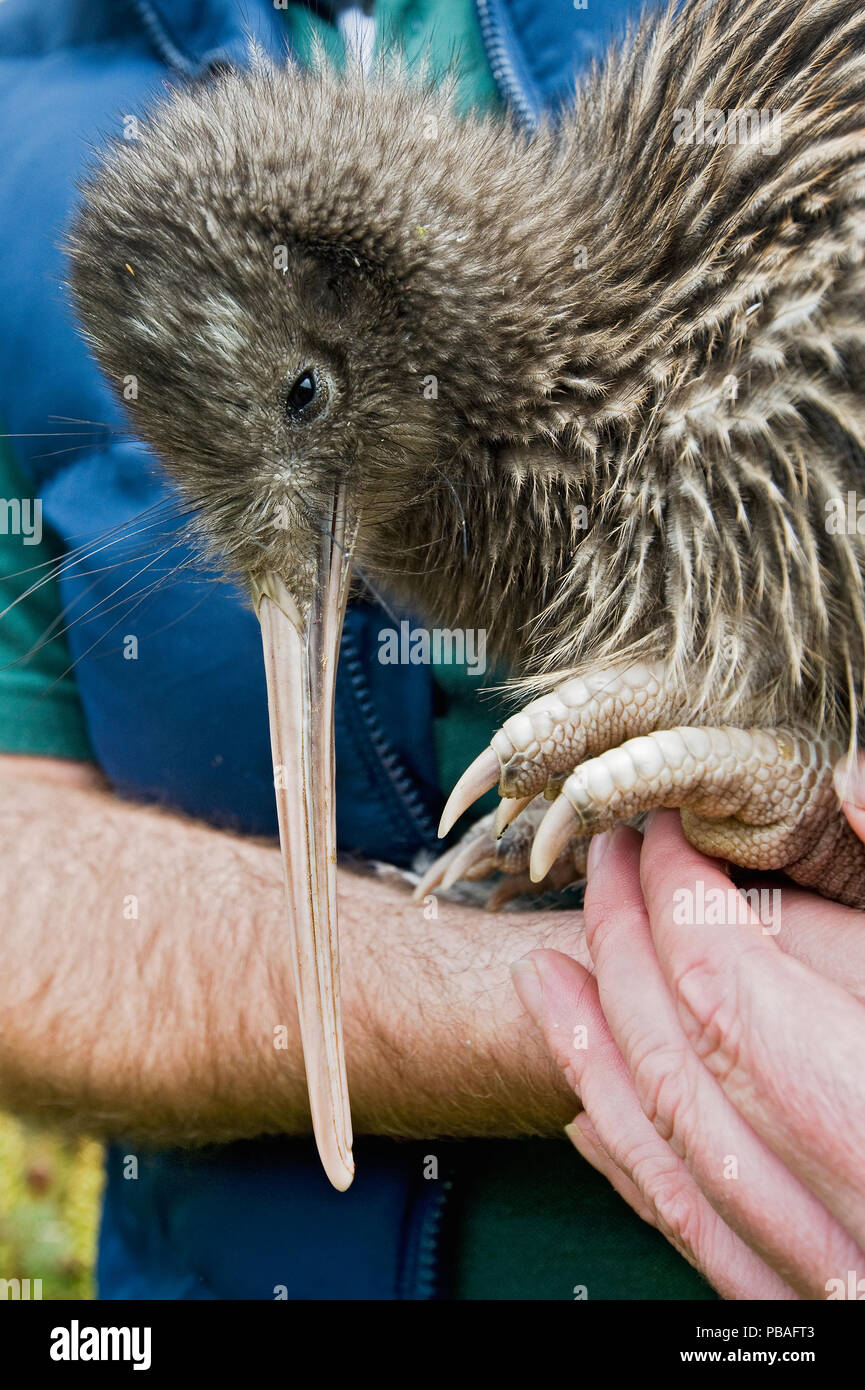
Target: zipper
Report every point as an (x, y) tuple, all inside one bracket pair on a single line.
[(495, 45), (502, 65), (165, 46), (419, 1278), (401, 782), (428, 1261)]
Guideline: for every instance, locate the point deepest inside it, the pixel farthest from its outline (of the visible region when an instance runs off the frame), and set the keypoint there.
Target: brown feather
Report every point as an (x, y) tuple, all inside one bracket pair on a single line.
[(633, 456)]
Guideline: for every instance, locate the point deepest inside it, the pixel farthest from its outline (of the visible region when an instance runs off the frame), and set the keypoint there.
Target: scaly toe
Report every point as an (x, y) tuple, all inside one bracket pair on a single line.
[(507, 811), (434, 874), (474, 860), (537, 749)]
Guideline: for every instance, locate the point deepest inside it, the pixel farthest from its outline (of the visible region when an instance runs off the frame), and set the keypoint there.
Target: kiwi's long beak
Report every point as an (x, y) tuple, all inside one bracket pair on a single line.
[(301, 649)]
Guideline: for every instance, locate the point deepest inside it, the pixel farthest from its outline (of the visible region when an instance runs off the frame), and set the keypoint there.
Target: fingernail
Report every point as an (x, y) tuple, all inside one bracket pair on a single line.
[(598, 846), (527, 983), (849, 779)]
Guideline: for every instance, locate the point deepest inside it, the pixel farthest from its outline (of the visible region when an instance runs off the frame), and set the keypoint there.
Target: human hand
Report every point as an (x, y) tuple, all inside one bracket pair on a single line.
[(719, 1067)]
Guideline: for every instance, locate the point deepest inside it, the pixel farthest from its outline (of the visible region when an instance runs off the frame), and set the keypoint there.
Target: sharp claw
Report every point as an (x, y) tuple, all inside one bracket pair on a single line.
[(434, 875), (481, 777), (507, 811), (470, 856), (554, 832), (481, 870)]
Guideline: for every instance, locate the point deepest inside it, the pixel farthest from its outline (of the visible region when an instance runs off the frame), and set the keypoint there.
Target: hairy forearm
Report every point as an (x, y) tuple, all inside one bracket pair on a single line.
[(145, 985)]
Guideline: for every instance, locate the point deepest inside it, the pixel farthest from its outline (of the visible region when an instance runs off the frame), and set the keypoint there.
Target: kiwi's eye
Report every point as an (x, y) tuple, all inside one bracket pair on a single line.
[(301, 394)]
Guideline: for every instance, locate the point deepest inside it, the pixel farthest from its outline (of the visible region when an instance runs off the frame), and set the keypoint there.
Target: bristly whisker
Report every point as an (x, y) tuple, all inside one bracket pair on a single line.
[(456, 498), (159, 513), (55, 453), (79, 551), (50, 635), (64, 565), (98, 607), (146, 594), (101, 424)]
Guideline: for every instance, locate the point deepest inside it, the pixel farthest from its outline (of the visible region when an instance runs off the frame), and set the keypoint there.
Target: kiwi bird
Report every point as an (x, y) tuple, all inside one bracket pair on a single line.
[(598, 389)]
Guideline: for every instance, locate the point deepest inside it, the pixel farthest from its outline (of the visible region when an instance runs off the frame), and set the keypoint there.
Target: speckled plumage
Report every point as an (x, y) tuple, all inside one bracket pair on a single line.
[(594, 389)]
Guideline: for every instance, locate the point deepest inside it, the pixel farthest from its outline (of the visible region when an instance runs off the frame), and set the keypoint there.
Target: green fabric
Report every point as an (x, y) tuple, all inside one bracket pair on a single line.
[(533, 1221), (442, 34), (306, 29), (40, 713), (468, 713), (446, 36)]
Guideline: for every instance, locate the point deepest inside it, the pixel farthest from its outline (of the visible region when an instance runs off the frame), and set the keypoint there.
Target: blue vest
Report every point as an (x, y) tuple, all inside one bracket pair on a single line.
[(185, 724)]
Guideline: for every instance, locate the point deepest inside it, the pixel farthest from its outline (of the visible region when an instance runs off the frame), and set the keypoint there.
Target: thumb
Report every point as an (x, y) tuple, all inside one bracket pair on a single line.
[(849, 779)]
